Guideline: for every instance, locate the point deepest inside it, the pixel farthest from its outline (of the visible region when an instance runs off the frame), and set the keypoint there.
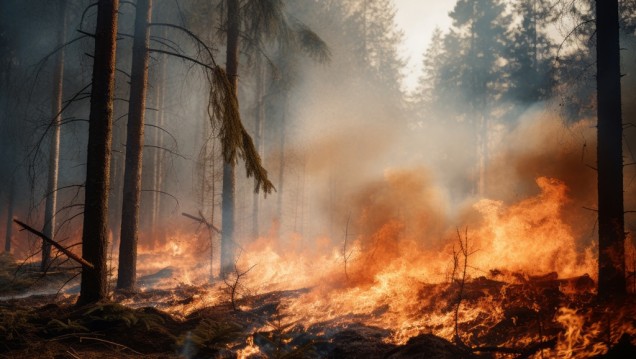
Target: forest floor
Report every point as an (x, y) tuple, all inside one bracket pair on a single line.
[(540, 317)]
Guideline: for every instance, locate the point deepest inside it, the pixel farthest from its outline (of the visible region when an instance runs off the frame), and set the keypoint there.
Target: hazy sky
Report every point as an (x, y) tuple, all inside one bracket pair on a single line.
[(418, 19)]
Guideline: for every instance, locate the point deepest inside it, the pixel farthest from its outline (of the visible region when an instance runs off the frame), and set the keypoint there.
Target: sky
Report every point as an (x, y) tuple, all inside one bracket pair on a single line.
[(418, 19)]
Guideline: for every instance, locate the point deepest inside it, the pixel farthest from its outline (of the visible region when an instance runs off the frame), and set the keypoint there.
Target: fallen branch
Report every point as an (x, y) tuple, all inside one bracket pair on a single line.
[(59, 247)]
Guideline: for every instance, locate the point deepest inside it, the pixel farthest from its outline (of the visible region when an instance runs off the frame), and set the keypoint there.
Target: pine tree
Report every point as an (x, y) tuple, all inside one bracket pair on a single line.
[(229, 179), (127, 270), (54, 148), (530, 53), (95, 230), (481, 26), (434, 89), (574, 69), (611, 223), (261, 20), (376, 39)]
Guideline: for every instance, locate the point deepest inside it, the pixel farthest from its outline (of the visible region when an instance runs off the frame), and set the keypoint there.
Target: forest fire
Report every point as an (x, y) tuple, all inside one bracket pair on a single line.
[(275, 179), (524, 278)]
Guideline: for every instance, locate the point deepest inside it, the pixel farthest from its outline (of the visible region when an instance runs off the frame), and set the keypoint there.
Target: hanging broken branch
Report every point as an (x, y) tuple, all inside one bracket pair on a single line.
[(201, 219)]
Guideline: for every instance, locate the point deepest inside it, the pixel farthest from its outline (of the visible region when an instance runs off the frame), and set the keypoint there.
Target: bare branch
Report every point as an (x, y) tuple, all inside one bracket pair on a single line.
[(68, 253), (182, 57), (167, 150), (198, 41), (202, 220)]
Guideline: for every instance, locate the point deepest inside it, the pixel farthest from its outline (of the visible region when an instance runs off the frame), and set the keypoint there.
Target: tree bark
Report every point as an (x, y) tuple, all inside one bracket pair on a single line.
[(127, 271), (281, 158), (95, 230), (258, 134), (157, 175), (611, 277), (116, 179), (228, 197), (54, 150), (8, 235)]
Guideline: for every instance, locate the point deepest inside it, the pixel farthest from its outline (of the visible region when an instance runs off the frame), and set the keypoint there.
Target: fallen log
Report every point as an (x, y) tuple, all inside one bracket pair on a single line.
[(59, 247)]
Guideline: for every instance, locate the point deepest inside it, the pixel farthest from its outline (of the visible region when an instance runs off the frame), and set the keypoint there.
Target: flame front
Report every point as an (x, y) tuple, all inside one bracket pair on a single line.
[(390, 275)]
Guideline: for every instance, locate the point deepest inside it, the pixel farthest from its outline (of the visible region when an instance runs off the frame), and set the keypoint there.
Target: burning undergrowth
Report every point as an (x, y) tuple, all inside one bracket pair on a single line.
[(512, 282), (511, 274)]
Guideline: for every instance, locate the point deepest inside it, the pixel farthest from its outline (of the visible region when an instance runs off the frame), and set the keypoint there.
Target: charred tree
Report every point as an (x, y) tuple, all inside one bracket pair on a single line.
[(117, 177), (611, 261), (259, 117), (95, 230), (54, 149), (127, 271), (8, 236), (281, 155), (157, 168), (229, 180)]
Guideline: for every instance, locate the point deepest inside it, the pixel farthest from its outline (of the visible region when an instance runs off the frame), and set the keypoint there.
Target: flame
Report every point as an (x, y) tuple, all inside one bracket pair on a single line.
[(250, 351), (530, 236), (577, 339), (399, 260)]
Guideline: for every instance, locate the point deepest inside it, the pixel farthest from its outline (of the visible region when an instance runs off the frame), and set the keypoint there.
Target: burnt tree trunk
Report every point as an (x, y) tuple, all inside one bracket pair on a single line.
[(281, 159), (258, 134), (127, 271), (54, 149), (228, 197), (157, 168), (94, 286), (611, 276), (116, 178), (8, 235)]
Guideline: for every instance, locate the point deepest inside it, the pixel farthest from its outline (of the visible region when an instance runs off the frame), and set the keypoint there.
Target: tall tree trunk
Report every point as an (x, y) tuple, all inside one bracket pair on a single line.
[(94, 285), (54, 150), (474, 112), (231, 68), (116, 179), (157, 176), (611, 277), (127, 271), (8, 235), (258, 134), (281, 158)]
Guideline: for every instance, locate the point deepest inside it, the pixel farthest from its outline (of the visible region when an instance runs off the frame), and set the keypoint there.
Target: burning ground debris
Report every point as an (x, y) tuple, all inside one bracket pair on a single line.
[(503, 315), (510, 285), (403, 282)]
